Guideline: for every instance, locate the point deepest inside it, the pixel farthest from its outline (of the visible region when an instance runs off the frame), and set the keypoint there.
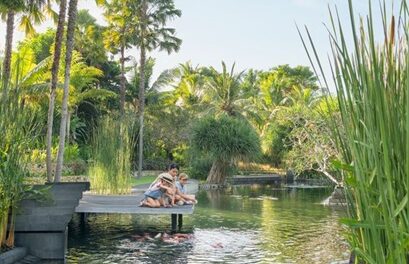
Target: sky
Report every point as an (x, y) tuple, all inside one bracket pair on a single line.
[(258, 34)]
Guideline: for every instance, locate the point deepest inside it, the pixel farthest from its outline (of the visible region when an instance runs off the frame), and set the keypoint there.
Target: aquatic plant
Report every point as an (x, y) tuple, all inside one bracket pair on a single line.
[(110, 171), (372, 81)]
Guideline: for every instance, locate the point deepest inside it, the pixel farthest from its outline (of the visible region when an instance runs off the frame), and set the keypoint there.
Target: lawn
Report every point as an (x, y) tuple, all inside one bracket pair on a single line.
[(142, 180)]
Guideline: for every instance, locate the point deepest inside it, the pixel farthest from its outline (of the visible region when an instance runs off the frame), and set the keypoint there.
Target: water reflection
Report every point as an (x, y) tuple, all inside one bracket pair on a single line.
[(237, 225)]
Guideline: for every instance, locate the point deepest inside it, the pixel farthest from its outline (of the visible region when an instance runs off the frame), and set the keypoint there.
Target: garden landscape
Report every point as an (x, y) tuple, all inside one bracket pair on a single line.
[(176, 131)]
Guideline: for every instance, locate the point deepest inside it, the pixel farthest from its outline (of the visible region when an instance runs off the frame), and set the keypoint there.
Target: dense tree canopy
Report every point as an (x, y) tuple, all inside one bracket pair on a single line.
[(278, 103)]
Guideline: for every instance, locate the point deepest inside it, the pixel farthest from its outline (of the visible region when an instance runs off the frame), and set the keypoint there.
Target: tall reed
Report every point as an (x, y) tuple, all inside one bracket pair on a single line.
[(372, 83), (113, 143), (17, 132)]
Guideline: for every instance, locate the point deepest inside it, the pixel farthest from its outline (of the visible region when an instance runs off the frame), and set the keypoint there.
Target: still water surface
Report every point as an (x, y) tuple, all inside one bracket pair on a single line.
[(237, 225)]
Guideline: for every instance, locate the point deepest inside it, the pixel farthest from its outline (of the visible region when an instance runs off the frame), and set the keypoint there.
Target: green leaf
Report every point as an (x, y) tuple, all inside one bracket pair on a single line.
[(360, 224), (401, 205)]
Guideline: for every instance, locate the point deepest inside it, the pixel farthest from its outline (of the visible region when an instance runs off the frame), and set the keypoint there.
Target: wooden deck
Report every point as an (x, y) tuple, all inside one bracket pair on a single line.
[(129, 204), (124, 204)]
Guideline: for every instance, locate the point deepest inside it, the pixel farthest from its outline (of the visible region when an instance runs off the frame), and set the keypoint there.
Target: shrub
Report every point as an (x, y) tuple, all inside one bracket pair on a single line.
[(225, 140)]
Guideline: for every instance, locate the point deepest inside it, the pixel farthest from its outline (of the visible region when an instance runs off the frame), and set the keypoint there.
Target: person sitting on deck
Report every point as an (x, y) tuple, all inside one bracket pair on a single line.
[(178, 196), (154, 196), (181, 190)]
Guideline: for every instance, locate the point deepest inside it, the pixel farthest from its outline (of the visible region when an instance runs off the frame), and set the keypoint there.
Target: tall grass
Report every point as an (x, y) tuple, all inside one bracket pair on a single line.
[(18, 130), (113, 143), (372, 82)]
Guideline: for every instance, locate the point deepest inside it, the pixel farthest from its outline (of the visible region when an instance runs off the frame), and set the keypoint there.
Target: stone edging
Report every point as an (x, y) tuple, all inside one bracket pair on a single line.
[(206, 186)]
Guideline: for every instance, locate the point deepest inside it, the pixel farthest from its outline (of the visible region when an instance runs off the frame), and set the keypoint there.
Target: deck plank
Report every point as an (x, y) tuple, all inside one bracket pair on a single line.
[(124, 204)]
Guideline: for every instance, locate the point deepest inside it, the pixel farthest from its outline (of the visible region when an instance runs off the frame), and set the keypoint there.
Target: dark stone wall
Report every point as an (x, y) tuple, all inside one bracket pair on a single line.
[(41, 227), (273, 179)]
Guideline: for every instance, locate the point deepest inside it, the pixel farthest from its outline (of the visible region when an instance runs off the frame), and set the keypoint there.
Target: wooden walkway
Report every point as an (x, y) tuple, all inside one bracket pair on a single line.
[(124, 204)]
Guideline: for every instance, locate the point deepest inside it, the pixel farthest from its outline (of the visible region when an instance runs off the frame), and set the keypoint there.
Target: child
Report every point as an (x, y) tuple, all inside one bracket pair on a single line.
[(154, 194), (181, 191)]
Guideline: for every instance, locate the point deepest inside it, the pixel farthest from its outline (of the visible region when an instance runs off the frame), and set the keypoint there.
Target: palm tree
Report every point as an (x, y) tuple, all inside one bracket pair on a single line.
[(188, 81), (224, 92), (82, 80), (89, 39), (118, 37), (54, 79), (151, 33), (278, 90), (31, 9), (72, 15), (8, 9)]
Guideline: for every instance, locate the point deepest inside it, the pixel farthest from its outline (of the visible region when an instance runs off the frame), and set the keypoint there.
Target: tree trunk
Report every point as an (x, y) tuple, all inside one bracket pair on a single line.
[(141, 110), (329, 176), (68, 127), (72, 16), (218, 172), (142, 88), (7, 53), (122, 87), (54, 79)]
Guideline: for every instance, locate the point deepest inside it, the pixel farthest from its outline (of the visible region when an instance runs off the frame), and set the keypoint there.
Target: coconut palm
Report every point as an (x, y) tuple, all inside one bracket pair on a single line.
[(151, 33), (72, 15), (33, 82), (83, 89), (31, 11), (223, 93), (119, 36), (89, 40), (54, 79), (188, 81)]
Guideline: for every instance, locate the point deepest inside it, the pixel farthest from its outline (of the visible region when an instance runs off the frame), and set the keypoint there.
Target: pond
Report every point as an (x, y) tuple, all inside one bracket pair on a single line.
[(250, 224)]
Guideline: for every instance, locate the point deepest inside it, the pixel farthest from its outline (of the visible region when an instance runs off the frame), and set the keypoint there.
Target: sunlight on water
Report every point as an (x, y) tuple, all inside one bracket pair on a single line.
[(237, 225)]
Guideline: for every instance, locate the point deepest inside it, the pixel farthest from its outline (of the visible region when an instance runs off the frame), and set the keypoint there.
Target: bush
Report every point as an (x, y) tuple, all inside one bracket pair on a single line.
[(200, 167), (278, 143), (155, 163), (71, 153), (225, 140)]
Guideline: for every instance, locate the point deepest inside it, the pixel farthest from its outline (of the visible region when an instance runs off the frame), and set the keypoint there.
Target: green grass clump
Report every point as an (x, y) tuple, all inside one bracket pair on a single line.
[(110, 171)]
